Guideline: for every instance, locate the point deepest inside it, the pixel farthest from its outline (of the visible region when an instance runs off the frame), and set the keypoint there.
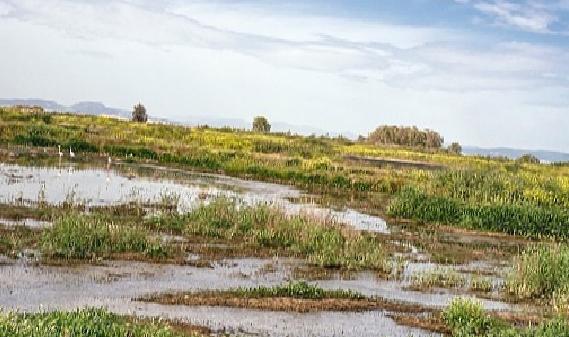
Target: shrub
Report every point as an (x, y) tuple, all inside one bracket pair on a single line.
[(261, 124)]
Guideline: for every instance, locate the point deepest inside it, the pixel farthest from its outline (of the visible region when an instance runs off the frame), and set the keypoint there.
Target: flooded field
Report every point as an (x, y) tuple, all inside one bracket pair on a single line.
[(148, 184), (29, 284)]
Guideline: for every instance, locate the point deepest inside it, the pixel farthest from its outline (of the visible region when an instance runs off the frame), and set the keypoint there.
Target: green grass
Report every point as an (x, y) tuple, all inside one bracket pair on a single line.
[(541, 272), (83, 237), (467, 318), (521, 219), (297, 289), (321, 240), (480, 284), (437, 278), (83, 323), (472, 192)]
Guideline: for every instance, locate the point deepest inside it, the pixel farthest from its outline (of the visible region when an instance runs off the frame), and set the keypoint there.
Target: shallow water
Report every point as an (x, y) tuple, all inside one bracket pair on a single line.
[(119, 184), (113, 285), (28, 287)]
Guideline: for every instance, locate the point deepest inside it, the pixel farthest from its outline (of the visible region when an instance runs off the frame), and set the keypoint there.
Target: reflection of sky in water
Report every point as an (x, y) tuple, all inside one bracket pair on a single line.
[(115, 283), (104, 187)]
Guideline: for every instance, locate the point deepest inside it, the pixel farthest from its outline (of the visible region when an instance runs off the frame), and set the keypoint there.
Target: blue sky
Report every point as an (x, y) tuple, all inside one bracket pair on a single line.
[(482, 72)]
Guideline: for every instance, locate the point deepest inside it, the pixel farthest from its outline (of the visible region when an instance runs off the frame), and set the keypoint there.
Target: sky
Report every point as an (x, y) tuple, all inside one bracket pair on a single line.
[(481, 72)]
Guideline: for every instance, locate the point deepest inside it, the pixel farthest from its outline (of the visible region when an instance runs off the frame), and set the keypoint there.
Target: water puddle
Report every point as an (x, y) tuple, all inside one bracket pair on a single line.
[(114, 285), (146, 184)]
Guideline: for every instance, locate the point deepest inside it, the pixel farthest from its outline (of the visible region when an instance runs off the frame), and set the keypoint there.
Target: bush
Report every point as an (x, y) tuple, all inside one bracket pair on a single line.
[(261, 124)]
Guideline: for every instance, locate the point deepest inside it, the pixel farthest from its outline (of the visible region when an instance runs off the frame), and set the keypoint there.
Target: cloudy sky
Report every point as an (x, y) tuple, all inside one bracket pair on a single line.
[(482, 72)]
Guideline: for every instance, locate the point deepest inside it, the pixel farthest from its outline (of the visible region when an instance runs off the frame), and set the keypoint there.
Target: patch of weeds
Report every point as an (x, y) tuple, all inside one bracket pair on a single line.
[(480, 284), (82, 237), (322, 241), (467, 318), (82, 323), (437, 278)]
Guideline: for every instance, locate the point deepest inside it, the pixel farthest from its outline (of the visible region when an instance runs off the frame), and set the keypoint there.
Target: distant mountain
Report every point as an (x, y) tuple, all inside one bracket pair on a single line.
[(543, 155), (98, 108), (48, 105), (90, 108)]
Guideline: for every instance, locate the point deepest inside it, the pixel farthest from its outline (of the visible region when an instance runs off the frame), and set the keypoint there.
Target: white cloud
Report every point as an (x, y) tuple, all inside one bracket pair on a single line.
[(191, 58), (5, 8), (527, 15)]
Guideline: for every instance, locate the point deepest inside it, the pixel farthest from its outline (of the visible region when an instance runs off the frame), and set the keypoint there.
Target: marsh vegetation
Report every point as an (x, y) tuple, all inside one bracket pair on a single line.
[(375, 237)]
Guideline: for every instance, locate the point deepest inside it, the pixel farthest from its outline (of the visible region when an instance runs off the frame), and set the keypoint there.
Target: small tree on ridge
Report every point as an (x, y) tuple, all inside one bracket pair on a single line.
[(139, 114), (261, 124)]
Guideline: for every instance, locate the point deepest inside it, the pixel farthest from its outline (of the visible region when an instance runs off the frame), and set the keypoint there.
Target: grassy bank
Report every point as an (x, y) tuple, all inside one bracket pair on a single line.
[(294, 296), (467, 318), (471, 192), (83, 323)]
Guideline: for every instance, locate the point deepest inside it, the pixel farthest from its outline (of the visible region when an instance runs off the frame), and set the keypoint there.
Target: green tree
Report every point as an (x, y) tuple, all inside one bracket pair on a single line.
[(405, 136), (528, 158), (455, 148), (139, 113), (261, 124)]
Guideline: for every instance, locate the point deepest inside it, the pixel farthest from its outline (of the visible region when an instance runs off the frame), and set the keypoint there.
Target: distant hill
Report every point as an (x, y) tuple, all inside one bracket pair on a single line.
[(90, 108), (543, 155), (98, 108)]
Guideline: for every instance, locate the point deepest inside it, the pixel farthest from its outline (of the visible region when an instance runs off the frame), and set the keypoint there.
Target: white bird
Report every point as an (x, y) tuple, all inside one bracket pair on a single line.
[(71, 153), (59, 149)]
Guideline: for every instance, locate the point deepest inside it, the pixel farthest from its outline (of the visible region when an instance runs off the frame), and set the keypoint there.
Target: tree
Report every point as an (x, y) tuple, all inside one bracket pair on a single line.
[(528, 158), (455, 148), (261, 124), (406, 136), (139, 113)]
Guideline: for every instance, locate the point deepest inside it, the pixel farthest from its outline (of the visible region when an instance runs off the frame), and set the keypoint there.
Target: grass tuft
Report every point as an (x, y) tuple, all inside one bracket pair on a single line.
[(82, 237)]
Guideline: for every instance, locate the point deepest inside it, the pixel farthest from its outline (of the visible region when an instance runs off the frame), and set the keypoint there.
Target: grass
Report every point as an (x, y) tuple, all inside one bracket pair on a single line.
[(295, 296), (512, 218), (13, 240), (480, 284), (437, 278), (296, 289), (82, 323), (322, 241), (542, 272), (85, 237), (472, 192), (467, 318)]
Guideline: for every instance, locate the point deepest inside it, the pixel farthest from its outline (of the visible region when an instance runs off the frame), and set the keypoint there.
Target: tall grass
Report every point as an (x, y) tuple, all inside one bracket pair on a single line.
[(522, 219), (467, 318), (81, 237), (437, 278), (321, 240), (541, 272), (81, 323)]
